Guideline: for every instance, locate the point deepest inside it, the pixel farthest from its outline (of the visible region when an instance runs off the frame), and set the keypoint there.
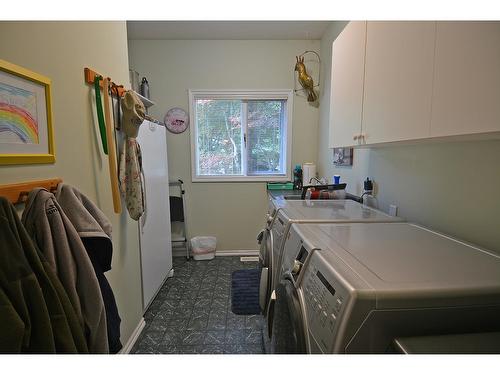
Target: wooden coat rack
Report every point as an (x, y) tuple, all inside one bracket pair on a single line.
[(18, 193), (90, 77)]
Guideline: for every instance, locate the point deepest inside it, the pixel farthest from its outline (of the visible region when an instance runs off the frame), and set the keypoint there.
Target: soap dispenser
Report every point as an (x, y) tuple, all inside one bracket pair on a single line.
[(368, 191)]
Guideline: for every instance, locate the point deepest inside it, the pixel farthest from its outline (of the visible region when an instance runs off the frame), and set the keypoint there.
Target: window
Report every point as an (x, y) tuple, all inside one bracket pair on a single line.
[(240, 135)]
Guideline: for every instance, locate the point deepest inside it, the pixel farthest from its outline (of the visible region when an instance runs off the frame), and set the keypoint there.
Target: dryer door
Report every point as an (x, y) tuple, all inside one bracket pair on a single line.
[(265, 246), (266, 273), (288, 326)]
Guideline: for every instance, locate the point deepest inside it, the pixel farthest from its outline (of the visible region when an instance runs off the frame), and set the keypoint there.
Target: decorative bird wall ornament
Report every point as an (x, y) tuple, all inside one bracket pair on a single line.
[(305, 79)]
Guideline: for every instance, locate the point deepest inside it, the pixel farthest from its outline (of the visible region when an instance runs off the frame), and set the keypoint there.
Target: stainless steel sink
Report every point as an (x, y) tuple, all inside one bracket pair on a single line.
[(297, 197)]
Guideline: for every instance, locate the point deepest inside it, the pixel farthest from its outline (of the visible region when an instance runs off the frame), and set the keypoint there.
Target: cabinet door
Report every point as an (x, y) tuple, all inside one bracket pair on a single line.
[(398, 81), (467, 78), (346, 99)]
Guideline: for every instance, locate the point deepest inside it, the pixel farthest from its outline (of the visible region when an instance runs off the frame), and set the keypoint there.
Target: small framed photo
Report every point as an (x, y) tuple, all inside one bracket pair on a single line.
[(26, 132), (342, 156)]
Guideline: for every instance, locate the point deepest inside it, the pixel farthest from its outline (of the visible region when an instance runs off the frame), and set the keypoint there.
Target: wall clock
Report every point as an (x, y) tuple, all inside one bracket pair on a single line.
[(176, 120)]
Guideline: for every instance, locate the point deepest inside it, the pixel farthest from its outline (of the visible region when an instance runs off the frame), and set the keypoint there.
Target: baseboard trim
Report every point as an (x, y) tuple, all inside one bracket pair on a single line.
[(133, 337), (222, 253)]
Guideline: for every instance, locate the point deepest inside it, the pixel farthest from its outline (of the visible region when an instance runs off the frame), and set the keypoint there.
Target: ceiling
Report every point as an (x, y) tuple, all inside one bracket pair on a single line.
[(237, 30)]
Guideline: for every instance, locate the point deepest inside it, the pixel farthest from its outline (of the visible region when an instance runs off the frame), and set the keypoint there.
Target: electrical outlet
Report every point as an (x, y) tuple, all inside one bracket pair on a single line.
[(393, 210)]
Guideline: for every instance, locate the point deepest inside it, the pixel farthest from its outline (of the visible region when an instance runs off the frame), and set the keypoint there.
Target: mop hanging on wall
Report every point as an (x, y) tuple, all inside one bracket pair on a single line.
[(305, 80)]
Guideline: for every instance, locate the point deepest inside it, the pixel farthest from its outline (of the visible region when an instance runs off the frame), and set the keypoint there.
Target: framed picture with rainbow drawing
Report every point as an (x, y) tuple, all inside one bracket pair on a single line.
[(26, 132)]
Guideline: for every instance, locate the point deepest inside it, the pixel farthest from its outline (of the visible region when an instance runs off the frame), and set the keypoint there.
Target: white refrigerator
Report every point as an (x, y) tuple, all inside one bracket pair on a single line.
[(154, 226)]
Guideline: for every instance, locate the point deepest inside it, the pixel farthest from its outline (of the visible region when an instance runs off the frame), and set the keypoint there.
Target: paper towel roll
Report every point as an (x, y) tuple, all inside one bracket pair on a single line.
[(308, 172)]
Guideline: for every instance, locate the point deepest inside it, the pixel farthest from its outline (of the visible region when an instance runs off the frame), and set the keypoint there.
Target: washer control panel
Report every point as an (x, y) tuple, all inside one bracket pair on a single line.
[(324, 299)]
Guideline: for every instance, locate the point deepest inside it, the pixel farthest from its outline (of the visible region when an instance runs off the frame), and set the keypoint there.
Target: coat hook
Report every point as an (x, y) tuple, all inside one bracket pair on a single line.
[(23, 197)]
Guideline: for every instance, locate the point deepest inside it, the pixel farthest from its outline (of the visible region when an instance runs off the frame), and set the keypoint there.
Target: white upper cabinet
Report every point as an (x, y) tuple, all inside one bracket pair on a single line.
[(467, 79), (348, 62), (398, 81), (405, 81)]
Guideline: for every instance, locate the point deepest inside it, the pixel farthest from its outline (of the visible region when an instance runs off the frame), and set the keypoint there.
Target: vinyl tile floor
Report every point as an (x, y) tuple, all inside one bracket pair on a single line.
[(192, 313)]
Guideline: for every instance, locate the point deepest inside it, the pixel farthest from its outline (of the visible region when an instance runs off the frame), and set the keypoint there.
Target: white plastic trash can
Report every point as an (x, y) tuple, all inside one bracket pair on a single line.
[(203, 247)]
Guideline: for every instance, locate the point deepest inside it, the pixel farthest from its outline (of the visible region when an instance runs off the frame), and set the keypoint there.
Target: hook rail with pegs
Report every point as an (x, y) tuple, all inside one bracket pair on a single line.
[(18, 193), (90, 77), (106, 127)]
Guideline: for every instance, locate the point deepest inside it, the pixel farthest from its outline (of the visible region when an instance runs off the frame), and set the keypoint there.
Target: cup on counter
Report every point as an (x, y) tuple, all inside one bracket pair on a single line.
[(336, 179)]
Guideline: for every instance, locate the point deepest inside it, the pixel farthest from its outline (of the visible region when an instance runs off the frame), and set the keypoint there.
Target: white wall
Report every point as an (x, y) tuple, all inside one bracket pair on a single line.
[(451, 187), (233, 212), (60, 51)]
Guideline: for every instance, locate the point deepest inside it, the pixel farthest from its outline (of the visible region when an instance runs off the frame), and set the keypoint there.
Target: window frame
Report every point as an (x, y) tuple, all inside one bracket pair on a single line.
[(283, 94)]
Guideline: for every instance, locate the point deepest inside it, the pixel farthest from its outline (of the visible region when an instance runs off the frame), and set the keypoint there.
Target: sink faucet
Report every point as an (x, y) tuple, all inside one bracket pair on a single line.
[(314, 178)]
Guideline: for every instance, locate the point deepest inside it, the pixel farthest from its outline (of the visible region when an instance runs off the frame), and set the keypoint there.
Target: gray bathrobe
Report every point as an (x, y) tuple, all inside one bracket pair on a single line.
[(58, 240)]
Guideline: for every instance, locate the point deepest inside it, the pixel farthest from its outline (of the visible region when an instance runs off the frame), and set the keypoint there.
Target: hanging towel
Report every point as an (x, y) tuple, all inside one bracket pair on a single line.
[(62, 247), (94, 229), (131, 178), (23, 320), (130, 173)]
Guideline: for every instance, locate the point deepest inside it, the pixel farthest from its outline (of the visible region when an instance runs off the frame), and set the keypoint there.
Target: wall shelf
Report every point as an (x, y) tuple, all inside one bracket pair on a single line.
[(147, 102)]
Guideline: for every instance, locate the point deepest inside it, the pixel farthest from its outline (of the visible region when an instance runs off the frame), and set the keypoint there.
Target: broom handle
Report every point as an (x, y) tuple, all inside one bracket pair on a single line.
[(113, 175)]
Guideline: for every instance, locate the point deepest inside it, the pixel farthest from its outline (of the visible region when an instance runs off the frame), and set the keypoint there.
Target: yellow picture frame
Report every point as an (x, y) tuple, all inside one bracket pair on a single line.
[(43, 139)]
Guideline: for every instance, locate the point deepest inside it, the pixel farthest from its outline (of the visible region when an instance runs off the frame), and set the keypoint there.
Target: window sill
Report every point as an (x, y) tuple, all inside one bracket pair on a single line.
[(241, 179)]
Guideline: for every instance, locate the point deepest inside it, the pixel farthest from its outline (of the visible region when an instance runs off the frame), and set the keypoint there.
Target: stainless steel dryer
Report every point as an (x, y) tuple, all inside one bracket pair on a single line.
[(273, 205), (307, 211), (363, 285), (265, 240)]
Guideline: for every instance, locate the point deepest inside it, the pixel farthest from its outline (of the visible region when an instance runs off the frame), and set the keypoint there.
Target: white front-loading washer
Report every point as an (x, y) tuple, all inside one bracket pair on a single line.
[(306, 211), (363, 285)]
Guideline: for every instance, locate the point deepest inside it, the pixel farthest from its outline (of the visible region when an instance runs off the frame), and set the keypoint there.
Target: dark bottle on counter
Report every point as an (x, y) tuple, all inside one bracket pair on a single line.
[(145, 87), (297, 177)]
